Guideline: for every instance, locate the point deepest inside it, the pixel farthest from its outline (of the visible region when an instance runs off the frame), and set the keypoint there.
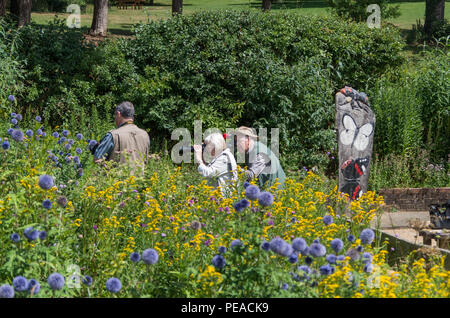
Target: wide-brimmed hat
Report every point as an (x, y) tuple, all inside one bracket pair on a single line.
[(246, 131)]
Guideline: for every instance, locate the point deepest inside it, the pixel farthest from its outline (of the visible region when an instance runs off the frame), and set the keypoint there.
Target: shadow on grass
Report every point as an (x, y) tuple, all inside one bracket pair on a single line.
[(286, 4)]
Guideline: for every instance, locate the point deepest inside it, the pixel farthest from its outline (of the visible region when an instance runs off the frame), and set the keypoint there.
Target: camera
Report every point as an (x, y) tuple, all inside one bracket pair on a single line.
[(190, 149)]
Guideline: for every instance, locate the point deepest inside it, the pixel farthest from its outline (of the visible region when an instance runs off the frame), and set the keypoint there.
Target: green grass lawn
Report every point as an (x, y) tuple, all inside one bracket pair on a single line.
[(121, 21)]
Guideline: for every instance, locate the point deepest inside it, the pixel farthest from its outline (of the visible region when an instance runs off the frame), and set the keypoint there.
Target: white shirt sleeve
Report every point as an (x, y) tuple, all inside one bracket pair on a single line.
[(215, 168)]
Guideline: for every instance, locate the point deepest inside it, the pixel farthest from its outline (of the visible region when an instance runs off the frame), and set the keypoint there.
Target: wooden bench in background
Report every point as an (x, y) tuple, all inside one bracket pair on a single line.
[(124, 4)]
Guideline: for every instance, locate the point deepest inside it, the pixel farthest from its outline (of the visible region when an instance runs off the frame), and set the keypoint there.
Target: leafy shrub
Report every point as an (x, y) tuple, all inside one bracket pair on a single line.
[(264, 70), (356, 9)]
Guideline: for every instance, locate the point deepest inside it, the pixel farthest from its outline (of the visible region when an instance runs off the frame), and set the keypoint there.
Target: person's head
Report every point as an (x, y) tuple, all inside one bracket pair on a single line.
[(215, 144), (245, 138), (124, 112)]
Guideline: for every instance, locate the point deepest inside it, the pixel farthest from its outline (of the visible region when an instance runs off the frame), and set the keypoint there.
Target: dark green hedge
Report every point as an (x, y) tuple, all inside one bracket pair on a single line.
[(228, 68)]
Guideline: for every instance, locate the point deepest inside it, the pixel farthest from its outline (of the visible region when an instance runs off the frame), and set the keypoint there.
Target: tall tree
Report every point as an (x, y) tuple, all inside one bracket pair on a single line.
[(434, 11), (266, 4), (100, 20), (3, 4), (177, 7), (21, 10)]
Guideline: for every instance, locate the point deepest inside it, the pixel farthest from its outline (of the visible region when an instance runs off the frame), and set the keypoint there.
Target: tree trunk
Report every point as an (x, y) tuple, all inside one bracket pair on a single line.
[(25, 12), (100, 19), (177, 7), (434, 11), (3, 4), (14, 8), (21, 10), (266, 4)]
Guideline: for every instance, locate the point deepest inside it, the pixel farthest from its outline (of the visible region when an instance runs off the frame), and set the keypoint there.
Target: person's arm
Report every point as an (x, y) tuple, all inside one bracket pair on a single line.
[(215, 169), (255, 168), (105, 148)]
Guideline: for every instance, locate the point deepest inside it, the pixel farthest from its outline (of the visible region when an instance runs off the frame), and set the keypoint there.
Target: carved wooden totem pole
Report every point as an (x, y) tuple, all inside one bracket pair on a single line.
[(355, 122)]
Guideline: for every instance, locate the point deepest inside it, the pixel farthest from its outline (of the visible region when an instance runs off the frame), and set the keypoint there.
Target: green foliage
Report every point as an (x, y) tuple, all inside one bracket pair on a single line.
[(57, 5), (412, 108), (229, 68), (357, 9)]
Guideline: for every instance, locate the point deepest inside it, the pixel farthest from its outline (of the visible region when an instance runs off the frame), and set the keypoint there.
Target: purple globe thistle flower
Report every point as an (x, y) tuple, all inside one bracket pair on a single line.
[(279, 246), (42, 235), (62, 201), (79, 136), (20, 283), (76, 159), (15, 237), (196, 225), (11, 98), (19, 117), (285, 286), (317, 250), (337, 245), (367, 236), (10, 131), (92, 144), (150, 256), (6, 291), (113, 285), (65, 132), (246, 184), (340, 258), (38, 118), (70, 141), (326, 270), (87, 280), (222, 249), (236, 244), (293, 258), (14, 121), (359, 248), (56, 281), (17, 135), (351, 238), (135, 257), (353, 254), (67, 147), (78, 151), (265, 246), (252, 192), (13, 115), (265, 198), (31, 234), (305, 251), (6, 145), (304, 268), (331, 258), (44, 134), (218, 261), (327, 219), (316, 241), (55, 135), (241, 205), (368, 268), (47, 204), (39, 132), (299, 244), (33, 286), (367, 258), (45, 182), (308, 260)]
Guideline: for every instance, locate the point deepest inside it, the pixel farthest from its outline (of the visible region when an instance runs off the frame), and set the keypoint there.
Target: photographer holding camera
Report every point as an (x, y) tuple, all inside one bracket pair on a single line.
[(223, 168), (126, 139)]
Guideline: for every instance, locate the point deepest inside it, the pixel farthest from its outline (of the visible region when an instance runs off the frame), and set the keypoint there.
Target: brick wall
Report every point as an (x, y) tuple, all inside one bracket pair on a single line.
[(415, 199)]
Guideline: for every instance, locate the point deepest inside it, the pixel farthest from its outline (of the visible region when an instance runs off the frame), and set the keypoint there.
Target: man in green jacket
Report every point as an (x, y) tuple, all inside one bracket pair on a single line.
[(261, 162)]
